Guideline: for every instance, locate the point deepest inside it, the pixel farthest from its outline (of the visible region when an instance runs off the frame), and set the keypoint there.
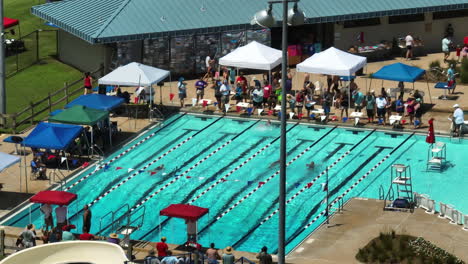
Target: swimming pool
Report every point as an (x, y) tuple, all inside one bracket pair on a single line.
[(229, 165)]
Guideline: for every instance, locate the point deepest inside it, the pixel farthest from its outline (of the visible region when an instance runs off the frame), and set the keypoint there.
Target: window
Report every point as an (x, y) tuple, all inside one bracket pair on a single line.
[(405, 18), (450, 14), (362, 22)]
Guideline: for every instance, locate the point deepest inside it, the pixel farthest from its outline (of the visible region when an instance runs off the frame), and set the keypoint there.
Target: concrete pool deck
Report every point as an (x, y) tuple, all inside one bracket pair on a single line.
[(363, 220)]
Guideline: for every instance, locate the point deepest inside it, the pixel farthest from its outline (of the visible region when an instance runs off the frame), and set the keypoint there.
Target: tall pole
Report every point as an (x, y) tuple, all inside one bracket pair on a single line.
[(282, 181), (2, 68)]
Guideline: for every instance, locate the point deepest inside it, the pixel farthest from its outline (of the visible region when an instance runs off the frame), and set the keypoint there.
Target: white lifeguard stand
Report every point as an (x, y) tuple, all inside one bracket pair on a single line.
[(401, 179), (436, 156)]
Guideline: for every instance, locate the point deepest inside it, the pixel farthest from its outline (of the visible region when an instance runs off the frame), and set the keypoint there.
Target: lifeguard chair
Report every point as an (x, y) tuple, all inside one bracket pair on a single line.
[(436, 156), (401, 182)]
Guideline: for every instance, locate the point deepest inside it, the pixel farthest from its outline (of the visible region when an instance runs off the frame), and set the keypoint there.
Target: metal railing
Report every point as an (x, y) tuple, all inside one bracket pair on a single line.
[(47, 104)]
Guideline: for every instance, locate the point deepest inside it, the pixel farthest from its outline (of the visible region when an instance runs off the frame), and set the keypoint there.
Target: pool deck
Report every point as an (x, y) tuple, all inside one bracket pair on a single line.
[(363, 220)]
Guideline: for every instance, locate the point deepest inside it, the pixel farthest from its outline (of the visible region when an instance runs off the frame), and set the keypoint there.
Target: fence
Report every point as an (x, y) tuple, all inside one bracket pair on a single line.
[(37, 111), (29, 49), (445, 210)]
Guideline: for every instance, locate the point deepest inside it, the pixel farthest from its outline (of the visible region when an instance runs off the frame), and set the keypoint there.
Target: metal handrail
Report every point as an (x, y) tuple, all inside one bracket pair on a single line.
[(100, 152), (242, 259), (142, 216), (100, 220)]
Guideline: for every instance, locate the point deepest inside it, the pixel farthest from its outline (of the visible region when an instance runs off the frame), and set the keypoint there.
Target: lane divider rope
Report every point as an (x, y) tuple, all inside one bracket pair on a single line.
[(99, 167), (337, 199), (149, 164), (191, 168), (311, 183), (272, 176), (222, 179)]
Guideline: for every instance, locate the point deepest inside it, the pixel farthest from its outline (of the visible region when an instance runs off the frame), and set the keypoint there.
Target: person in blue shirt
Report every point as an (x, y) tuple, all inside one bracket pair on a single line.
[(358, 98), (169, 259), (239, 92), (400, 106), (451, 77)]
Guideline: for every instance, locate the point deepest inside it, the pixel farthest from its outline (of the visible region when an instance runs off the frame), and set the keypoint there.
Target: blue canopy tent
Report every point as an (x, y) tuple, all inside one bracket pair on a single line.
[(97, 101), (52, 136), (401, 73)]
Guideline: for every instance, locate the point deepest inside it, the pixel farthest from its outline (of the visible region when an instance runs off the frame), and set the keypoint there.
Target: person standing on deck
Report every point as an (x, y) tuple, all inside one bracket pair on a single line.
[(86, 218)]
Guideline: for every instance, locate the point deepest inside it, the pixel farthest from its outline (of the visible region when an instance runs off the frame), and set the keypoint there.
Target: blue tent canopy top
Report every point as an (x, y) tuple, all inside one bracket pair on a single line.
[(52, 136), (97, 101), (399, 72)]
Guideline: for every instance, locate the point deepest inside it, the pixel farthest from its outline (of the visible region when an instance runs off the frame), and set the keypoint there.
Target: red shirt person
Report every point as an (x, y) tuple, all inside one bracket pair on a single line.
[(86, 235), (243, 81), (162, 247)]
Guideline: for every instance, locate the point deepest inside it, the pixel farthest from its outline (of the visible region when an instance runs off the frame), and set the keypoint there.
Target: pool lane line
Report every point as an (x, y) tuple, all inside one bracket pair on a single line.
[(304, 188), (119, 177), (160, 181), (267, 180), (235, 195), (222, 179), (152, 162), (98, 168), (167, 176), (350, 188), (256, 179), (341, 185), (254, 146), (193, 166)]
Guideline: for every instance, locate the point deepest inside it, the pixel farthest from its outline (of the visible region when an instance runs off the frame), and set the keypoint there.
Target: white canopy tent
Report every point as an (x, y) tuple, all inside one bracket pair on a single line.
[(7, 160), (333, 62), (253, 56), (135, 74)]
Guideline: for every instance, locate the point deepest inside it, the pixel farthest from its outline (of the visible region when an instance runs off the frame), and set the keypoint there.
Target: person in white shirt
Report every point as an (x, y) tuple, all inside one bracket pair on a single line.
[(446, 43), (458, 120), (409, 46), (46, 209), (61, 215), (381, 103), (209, 63)]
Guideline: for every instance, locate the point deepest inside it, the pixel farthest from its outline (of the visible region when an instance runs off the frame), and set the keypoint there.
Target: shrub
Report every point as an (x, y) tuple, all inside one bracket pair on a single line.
[(434, 64)]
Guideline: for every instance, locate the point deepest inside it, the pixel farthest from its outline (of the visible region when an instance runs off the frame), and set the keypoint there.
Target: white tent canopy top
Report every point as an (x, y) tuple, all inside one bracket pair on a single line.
[(134, 74), (332, 62), (7, 160), (253, 56)]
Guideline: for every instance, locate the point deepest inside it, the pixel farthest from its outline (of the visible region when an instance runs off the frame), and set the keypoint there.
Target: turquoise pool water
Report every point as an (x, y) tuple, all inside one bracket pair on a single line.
[(238, 157)]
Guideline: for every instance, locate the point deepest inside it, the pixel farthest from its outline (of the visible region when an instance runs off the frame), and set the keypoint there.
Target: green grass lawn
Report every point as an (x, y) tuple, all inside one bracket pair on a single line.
[(36, 81)]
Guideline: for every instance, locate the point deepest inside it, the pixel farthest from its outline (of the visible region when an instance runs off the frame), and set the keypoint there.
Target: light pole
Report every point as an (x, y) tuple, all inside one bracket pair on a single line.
[(265, 18)]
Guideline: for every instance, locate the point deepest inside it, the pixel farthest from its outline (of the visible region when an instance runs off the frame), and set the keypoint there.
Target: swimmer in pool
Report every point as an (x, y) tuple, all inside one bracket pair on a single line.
[(273, 164), (159, 168), (311, 165)]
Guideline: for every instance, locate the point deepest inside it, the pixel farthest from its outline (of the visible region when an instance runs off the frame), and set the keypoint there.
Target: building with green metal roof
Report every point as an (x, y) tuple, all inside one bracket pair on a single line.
[(160, 32)]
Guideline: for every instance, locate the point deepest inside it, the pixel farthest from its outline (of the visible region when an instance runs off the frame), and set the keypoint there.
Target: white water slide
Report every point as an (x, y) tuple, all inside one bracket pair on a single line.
[(94, 252)]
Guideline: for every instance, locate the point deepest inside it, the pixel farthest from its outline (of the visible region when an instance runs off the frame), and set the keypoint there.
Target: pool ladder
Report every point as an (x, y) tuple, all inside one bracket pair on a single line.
[(57, 174), (125, 223)]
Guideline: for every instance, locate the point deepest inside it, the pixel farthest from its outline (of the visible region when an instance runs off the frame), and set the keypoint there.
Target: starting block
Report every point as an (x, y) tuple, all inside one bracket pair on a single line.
[(394, 120), (356, 116)]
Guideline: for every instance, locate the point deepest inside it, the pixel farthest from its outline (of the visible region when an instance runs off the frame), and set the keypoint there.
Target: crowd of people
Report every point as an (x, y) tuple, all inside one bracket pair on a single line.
[(60, 231), (212, 255), (263, 94)]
